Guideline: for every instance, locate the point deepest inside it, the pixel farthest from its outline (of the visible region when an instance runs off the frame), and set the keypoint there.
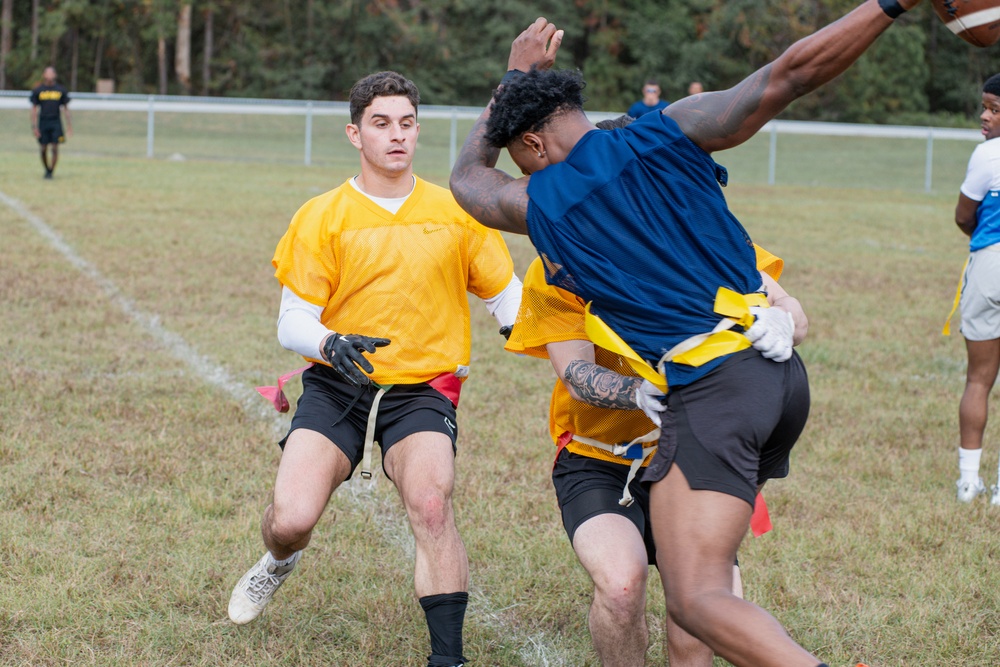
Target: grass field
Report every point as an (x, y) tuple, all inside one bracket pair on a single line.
[(135, 461)]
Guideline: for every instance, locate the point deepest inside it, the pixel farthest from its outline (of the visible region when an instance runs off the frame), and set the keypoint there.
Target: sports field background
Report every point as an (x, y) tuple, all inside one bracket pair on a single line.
[(134, 468)]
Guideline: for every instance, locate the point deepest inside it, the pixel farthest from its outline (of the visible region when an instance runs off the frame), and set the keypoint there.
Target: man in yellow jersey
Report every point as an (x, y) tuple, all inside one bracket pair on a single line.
[(597, 421), (381, 265)]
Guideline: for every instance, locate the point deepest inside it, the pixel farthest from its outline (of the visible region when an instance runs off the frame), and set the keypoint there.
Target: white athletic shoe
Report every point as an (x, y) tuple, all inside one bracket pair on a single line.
[(968, 491), (995, 500), (256, 588)]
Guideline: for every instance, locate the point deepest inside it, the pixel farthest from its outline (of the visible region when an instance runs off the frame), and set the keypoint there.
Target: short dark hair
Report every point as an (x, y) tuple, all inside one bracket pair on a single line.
[(615, 123), (992, 85), (528, 103), (652, 82), (380, 84)]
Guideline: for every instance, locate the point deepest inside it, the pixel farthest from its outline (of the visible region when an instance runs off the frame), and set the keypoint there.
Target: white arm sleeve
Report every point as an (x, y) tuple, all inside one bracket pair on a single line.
[(299, 328), (504, 306)]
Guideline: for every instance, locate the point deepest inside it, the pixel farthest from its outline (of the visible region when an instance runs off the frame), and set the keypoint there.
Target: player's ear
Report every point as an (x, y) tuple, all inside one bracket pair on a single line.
[(533, 143), (353, 135)]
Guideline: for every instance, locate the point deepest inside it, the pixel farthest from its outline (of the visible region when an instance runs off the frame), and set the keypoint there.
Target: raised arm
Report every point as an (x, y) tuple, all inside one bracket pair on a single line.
[(489, 195), (720, 120)]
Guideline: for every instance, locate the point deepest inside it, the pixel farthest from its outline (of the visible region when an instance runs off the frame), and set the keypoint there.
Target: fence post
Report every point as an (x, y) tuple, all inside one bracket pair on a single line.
[(309, 132), (930, 160), (149, 128), (772, 158), (453, 140)]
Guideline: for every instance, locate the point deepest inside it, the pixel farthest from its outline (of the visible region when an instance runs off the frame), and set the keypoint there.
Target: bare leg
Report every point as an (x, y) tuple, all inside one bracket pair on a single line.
[(311, 468), (611, 550), (984, 360), (697, 534), (422, 466), (55, 156)]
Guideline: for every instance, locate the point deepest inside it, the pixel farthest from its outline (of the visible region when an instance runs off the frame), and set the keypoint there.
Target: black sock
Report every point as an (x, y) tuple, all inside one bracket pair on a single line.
[(445, 616)]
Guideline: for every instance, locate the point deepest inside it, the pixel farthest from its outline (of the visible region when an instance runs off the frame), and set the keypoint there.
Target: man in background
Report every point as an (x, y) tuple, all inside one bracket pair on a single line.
[(650, 100), (46, 101)]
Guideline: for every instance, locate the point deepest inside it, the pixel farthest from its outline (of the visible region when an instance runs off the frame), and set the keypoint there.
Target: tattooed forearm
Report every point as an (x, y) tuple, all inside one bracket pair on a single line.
[(600, 387)]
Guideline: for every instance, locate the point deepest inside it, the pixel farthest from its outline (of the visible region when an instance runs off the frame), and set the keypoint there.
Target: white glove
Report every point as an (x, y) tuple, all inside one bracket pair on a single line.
[(648, 399), (772, 332)]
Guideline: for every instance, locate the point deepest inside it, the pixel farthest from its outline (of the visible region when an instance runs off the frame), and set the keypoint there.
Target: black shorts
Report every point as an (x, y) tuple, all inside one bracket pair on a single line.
[(587, 487), (734, 428), (50, 131), (339, 410)]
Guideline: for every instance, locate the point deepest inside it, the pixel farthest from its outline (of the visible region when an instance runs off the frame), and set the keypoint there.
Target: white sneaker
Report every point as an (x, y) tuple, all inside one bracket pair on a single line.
[(995, 500), (967, 491), (256, 588)]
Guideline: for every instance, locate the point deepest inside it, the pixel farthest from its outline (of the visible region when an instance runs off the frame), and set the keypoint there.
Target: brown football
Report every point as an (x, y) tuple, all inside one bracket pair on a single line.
[(975, 21)]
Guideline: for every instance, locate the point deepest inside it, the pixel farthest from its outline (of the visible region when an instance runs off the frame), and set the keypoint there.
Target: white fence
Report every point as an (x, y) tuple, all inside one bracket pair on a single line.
[(153, 104)]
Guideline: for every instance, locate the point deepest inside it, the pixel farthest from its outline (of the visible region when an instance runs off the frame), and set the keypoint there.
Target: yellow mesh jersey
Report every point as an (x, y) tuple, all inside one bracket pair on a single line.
[(402, 277), (549, 314)]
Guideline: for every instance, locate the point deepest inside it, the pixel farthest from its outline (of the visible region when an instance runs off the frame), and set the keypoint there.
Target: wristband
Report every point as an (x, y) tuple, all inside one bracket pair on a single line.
[(511, 75), (892, 8)]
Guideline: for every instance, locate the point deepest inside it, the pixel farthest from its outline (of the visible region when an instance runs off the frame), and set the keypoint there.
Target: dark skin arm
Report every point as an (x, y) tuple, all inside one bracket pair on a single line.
[(489, 195), (965, 214), (720, 120)]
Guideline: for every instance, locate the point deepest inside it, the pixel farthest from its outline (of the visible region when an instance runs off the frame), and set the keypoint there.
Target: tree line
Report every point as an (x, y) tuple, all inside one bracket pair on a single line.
[(456, 50)]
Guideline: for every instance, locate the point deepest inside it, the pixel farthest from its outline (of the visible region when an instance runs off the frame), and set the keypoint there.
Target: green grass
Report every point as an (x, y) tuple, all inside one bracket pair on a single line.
[(133, 488)]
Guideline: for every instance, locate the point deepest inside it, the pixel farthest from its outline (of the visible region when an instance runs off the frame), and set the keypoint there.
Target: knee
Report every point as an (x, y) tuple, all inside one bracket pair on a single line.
[(288, 526), (429, 510), (622, 590)]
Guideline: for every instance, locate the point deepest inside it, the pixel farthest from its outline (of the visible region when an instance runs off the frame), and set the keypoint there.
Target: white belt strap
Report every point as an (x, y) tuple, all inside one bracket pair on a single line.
[(622, 450), (366, 460), (694, 341)]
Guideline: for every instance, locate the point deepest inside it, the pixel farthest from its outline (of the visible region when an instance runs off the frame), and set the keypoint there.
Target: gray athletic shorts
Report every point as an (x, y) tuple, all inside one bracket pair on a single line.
[(980, 302)]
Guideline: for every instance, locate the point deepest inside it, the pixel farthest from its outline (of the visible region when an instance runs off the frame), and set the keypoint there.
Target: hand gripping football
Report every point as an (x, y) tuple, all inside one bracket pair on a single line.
[(975, 21)]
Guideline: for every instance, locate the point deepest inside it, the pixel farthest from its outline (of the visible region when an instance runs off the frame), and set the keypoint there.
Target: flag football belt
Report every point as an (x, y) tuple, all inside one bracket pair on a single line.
[(448, 384), (694, 351), (633, 450), (366, 459), (946, 331)]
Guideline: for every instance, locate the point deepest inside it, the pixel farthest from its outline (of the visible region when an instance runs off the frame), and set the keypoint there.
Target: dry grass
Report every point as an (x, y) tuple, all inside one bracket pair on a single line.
[(133, 487)]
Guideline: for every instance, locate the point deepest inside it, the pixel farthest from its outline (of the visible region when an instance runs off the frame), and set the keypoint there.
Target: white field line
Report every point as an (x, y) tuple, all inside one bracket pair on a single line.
[(198, 364), (537, 649)]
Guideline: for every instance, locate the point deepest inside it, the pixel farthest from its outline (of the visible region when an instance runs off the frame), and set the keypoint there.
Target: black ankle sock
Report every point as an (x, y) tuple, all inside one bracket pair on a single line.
[(445, 617)]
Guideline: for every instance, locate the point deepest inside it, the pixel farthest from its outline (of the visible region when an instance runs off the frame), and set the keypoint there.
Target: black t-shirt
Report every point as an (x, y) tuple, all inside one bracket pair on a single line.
[(49, 99)]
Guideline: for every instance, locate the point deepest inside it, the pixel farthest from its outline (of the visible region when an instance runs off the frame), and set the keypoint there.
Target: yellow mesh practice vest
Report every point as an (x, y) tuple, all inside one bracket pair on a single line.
[(402, 277), (549, 314)]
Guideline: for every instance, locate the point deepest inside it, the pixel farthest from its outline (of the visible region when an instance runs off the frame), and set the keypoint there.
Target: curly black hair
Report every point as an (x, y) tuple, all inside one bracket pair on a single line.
[(529, 102), (992, 85)]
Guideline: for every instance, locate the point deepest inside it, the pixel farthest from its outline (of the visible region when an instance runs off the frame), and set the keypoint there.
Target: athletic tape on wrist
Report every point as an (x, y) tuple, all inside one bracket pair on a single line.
[(892, 8), (511, 75)]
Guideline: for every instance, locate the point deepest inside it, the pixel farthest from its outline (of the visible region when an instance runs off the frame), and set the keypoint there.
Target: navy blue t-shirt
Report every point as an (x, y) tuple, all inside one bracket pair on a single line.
[(634, 220)]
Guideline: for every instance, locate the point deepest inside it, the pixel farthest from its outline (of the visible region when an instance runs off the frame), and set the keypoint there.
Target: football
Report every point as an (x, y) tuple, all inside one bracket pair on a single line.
[(975, 21)]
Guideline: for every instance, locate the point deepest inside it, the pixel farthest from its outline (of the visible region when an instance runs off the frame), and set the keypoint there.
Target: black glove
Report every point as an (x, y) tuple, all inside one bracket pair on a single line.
[(344, 354), (506, 331)]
